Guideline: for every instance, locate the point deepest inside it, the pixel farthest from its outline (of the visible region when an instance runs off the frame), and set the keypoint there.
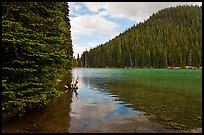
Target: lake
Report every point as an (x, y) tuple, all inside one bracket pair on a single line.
[(121, 100)]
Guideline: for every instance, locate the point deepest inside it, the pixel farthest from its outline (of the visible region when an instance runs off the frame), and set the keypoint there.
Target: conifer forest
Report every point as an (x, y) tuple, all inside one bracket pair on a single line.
[(171, 37), (147, 78), (36, 48)]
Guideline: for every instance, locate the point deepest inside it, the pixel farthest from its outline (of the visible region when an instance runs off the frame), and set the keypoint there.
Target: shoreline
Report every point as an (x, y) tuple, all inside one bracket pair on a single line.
[(168, 67)]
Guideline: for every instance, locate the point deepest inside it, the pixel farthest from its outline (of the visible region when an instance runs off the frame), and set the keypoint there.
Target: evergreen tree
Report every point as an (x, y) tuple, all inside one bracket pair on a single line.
[(36, 48), (170, 37)]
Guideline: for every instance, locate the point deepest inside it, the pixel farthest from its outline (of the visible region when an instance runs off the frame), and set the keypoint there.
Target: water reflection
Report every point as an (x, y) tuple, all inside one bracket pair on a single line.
[(109, 100), (98, 110), (73, 91), (54, 118), (109, 96)]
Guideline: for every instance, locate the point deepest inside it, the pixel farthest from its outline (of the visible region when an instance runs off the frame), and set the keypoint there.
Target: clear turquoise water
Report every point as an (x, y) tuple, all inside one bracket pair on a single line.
[(121, 100), (172, 97)]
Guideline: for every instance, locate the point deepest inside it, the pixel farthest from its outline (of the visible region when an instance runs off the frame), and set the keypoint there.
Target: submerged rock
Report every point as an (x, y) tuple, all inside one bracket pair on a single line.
[(197, 130)]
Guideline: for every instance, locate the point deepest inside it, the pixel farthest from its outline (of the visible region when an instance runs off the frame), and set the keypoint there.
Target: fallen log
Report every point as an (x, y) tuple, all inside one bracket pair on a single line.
[(72, 86)]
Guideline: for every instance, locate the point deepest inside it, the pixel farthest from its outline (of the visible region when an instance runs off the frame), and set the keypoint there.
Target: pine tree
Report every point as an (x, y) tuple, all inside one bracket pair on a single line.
[(36, 47), (170, 37)]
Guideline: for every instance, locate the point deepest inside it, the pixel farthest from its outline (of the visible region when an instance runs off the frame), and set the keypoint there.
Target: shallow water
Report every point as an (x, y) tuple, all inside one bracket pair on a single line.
[(121, 100)]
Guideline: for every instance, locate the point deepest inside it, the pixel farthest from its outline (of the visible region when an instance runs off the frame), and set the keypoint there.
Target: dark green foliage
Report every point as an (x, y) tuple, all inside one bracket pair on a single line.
[(170, 37), (36, 47)]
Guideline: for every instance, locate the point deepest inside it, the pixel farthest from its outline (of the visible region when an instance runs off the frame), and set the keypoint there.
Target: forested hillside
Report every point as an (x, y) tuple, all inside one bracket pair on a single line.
[(171, 37), (36, 48)]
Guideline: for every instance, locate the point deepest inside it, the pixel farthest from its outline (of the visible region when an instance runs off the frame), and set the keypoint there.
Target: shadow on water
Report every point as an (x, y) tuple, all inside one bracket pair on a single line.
[(172, 99), (117, 100), (53, 118), (96, 110)]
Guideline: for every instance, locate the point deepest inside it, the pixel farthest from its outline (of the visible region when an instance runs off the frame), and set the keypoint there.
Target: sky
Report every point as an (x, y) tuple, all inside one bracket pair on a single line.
[(95, 23)]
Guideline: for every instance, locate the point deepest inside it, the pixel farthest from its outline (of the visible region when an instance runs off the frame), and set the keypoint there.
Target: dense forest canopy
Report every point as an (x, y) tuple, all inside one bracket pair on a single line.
[(36, 48), (171, 37)]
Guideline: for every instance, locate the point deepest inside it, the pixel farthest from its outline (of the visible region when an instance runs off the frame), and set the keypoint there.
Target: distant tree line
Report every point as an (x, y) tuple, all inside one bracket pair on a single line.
[(36, 48), (171, 37)]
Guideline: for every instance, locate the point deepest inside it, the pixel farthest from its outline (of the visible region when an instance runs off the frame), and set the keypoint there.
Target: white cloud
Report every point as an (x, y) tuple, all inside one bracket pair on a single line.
[(90, 18), (84, 25), (103, 13), (137, 11), (78, 50), (77, 7), (95, 6)]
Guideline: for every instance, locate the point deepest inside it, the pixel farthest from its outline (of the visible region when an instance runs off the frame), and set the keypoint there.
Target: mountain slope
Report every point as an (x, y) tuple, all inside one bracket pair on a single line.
[(170, 37)]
